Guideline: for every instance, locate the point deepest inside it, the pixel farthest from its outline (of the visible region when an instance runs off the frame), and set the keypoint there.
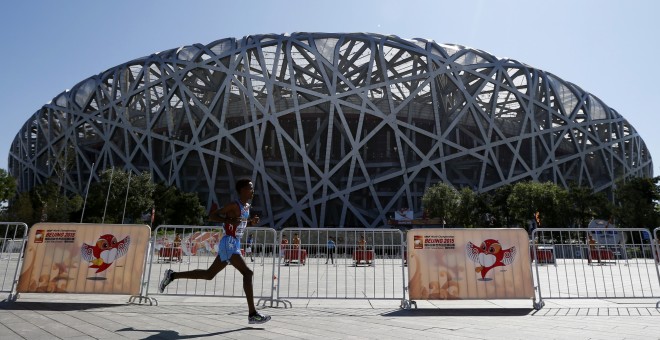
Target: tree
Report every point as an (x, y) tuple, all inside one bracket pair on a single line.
[(636, 200), (497, 206), (528, 198), (584, 205), (441, 200), (7, 186), (113, 187), (21, 209), (469, 209), (176, 207), (52, 206), (190, 210)]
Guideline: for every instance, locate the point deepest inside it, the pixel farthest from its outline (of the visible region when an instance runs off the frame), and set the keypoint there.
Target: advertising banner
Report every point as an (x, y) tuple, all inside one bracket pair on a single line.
[(84, 258), (403, 216), (458, 264)]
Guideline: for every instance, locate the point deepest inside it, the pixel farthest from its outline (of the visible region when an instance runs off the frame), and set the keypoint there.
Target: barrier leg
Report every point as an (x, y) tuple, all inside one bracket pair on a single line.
[(407, 304), (537, 304), (275, 301), (143, 296)]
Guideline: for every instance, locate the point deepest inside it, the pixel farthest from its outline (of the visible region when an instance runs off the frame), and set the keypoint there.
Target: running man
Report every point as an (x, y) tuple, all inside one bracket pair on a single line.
[(236, 217)]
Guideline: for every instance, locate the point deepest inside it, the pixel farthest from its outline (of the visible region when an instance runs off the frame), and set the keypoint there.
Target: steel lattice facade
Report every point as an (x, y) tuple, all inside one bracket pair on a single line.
[(335, 129)]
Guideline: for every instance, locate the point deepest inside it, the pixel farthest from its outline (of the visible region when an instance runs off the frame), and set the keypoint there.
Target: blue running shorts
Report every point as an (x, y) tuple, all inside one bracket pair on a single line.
[(227, 247)]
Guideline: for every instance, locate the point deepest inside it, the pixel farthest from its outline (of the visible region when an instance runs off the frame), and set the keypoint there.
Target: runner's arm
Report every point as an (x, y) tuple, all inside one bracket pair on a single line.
[(226, 214)]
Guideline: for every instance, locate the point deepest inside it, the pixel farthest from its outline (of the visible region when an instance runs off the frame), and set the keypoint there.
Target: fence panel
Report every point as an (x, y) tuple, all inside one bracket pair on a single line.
[(656, 251), (594, 263), (185, 248), (13, 236), (362, 264), (469, 264)]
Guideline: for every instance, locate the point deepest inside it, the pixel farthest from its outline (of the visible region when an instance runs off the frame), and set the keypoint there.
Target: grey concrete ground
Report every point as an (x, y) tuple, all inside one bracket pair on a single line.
[(180, 315), (84, 317)]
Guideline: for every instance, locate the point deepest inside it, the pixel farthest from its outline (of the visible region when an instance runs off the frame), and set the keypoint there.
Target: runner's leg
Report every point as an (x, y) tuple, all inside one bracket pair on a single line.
[(199, 274), (240, 265)]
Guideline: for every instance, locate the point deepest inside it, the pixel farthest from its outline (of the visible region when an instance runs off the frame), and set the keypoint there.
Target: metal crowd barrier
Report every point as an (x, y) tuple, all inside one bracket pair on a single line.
[(197, 249), (311, 269), (142, 296), (656, 251), (13, 236), (595, 263)]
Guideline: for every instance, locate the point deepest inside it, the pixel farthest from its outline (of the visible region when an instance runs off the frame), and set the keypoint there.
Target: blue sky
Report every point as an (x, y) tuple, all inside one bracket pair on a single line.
[(606, 47)]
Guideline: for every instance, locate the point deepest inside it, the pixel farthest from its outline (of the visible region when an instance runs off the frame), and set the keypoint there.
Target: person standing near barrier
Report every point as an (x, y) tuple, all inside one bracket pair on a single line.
[(236, 217), (362, 251), (592, 249), (295, 241), (176, 251), (284, 245), (331, 250), (362, 244), (291, 252)]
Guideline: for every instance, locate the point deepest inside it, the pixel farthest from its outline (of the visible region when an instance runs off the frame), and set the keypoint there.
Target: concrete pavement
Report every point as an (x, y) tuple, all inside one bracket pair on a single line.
[(40, 316)]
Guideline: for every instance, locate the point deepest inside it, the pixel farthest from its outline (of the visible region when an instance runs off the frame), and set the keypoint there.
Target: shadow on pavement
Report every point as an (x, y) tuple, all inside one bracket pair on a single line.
[(461, 312), (55, 306), (168, 334), (598, 311)]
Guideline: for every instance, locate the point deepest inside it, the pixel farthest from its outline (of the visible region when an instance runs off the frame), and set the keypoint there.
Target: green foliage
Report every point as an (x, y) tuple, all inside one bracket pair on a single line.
[(21, 210), (47, 203), (497, 207), (44, 203), (441, 200), (7, 186), (139, 199), (584, 205), (636, 203), (175, 207), (548, 199), (470, 209), (52, 205)]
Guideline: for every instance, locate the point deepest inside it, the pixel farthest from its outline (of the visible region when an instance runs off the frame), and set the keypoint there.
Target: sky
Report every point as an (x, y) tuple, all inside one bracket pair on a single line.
[(606, 47)]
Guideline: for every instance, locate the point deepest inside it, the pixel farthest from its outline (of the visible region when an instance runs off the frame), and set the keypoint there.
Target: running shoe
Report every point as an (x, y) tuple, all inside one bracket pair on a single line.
[(167, 279), (258, 318)]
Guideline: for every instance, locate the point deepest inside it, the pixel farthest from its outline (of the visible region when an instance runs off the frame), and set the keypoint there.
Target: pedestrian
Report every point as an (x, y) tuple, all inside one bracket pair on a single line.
[(248, 248), (330, 250)]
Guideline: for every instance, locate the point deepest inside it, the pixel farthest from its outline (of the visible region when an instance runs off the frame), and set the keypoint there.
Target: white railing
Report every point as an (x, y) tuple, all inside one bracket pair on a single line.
[(13, 236), (196, 248), (594, 263), (656, 254), (358, 264)]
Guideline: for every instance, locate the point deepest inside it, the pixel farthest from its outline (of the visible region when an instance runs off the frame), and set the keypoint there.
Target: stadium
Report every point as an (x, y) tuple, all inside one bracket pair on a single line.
[(334, 129)]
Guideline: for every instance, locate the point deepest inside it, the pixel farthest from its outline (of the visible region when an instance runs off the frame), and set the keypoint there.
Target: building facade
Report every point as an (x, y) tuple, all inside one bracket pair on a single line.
[(334, 129)]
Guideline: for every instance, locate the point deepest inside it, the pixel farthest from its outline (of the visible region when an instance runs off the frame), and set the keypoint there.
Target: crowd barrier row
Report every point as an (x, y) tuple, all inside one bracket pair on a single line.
[(469, 264), (12, 244), (186, 248), (290, 264), (345, 263), (595, 263), (81, 259), (656, 242)]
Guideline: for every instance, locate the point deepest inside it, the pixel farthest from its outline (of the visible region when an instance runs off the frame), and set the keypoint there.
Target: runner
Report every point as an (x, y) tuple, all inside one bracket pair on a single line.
[(235, 216)]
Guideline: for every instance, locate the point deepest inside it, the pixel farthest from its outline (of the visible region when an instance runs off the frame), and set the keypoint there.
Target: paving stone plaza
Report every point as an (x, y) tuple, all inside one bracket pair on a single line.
[(179, 315)]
